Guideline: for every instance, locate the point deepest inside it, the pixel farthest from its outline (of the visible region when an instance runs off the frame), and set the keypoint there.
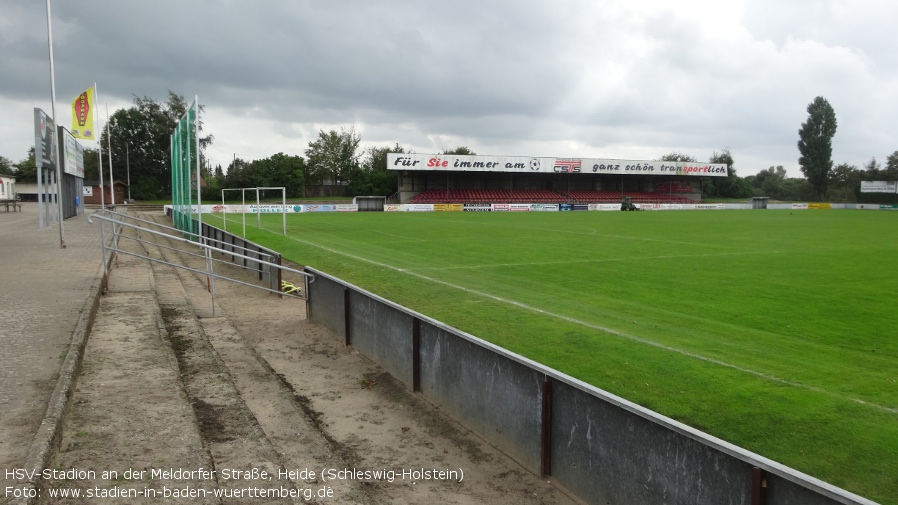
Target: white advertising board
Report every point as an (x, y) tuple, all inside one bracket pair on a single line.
[(879, 186), (542, 165)]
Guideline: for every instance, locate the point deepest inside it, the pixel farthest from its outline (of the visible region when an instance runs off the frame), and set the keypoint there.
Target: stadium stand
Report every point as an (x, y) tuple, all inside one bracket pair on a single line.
[(489, 196), (637, 197), (540, 196)]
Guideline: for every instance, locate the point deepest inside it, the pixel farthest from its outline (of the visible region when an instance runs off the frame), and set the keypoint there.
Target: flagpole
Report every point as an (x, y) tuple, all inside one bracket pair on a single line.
[(55, 130), (109, 145), (99, 149)]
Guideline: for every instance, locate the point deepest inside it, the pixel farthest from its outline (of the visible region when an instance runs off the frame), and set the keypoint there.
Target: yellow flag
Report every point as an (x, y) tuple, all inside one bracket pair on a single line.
[(83, 115)]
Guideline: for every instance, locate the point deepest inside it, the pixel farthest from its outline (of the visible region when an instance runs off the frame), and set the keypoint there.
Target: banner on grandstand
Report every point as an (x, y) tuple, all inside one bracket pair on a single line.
[(879, 186), (538, 165)]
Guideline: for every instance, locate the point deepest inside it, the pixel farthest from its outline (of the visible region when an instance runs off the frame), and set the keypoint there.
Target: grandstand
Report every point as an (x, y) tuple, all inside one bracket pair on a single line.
[(440, 195), (440, 179)]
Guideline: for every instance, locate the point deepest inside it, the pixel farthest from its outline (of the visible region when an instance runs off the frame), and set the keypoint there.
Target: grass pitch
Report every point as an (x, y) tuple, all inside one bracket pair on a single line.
[(773, 330)]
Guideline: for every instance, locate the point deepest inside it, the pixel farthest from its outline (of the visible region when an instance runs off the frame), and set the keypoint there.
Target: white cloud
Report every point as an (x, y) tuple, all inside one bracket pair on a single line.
[(633, 79)]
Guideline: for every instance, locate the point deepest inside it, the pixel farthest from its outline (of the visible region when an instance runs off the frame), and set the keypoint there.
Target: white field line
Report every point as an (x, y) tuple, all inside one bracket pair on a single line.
[(594, 326), (596, 260)]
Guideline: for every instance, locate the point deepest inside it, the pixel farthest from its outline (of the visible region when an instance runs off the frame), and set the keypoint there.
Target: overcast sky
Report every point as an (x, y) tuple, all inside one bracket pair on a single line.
[(632, 79)]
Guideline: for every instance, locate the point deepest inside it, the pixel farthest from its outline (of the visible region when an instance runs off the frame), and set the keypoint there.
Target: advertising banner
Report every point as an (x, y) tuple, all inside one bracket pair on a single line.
[(542, 165), (544, 207), (73, 155), (418, 207), (879, 186), (83, 115), (394, 207), (477, 207), (604, 206), (44, 141), (447, 207)]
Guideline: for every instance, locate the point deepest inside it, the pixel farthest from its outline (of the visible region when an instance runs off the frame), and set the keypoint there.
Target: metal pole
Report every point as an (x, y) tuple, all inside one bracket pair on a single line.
[(258, 214), (109, 146), (103, 253), (55, 132), (100, 152), (284, 208), (243, 192), (38, 161), (199, 187), (224, 214), (128, 167)]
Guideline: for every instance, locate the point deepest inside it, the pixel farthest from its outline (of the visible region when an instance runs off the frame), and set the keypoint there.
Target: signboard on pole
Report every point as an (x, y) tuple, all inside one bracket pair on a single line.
[(879, 186), (44, 141), (73, 155)]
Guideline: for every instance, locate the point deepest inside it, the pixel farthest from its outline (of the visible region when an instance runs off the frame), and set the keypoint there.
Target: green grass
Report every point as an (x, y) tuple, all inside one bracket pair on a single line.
[(773, 330)]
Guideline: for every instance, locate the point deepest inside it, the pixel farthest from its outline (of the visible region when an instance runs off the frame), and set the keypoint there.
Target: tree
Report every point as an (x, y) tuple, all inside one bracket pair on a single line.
[(6, 166), (460, 151), (815, 144), (240, 175), (846, 178), (771, 182), (142, 133), (333, 156), (891, 171), (25, 170), (731, 187), (677, 156), (373, 177)]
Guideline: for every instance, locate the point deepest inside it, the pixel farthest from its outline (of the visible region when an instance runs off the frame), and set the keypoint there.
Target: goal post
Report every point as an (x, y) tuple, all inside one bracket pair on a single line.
[(257, 209)]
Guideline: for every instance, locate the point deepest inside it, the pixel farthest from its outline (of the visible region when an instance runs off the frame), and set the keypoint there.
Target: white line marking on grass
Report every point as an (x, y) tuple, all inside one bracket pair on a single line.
[(411, 239), (593, 232), (594, 326), (597, 260)]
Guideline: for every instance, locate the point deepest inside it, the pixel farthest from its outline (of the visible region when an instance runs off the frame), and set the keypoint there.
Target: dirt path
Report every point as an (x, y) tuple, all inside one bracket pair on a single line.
[(258, 388)]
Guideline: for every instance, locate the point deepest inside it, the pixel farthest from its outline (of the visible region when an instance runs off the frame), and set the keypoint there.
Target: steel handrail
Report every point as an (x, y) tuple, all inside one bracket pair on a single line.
[(207, 255), (201, 245), (190, 233)]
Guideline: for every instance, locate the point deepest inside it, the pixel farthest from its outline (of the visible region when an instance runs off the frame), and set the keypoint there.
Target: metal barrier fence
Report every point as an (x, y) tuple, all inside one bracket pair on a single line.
[(602, 448), (149, 233), (243, 252)]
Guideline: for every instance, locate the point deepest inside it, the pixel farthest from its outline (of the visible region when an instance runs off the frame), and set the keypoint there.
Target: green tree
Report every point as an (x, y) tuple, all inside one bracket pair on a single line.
[(815, 145), (240, 175), (677, 156), (460, 151), (731, 187), (141, 139), (280, 170), (333, 157), (373, 177), (845, 181), (25, 170), (891, 171), (6, 166), (92, 165), (770, 182)]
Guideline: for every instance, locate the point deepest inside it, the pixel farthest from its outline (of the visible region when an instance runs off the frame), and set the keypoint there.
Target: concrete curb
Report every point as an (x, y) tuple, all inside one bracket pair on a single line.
[(46, 440)]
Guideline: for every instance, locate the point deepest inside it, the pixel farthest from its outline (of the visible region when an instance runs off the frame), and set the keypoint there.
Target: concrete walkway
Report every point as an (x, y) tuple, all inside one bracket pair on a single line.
[(44, 290)]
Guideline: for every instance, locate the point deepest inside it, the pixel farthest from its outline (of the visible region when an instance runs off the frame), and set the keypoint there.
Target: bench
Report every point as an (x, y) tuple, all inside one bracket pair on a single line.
[(16, 206)]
